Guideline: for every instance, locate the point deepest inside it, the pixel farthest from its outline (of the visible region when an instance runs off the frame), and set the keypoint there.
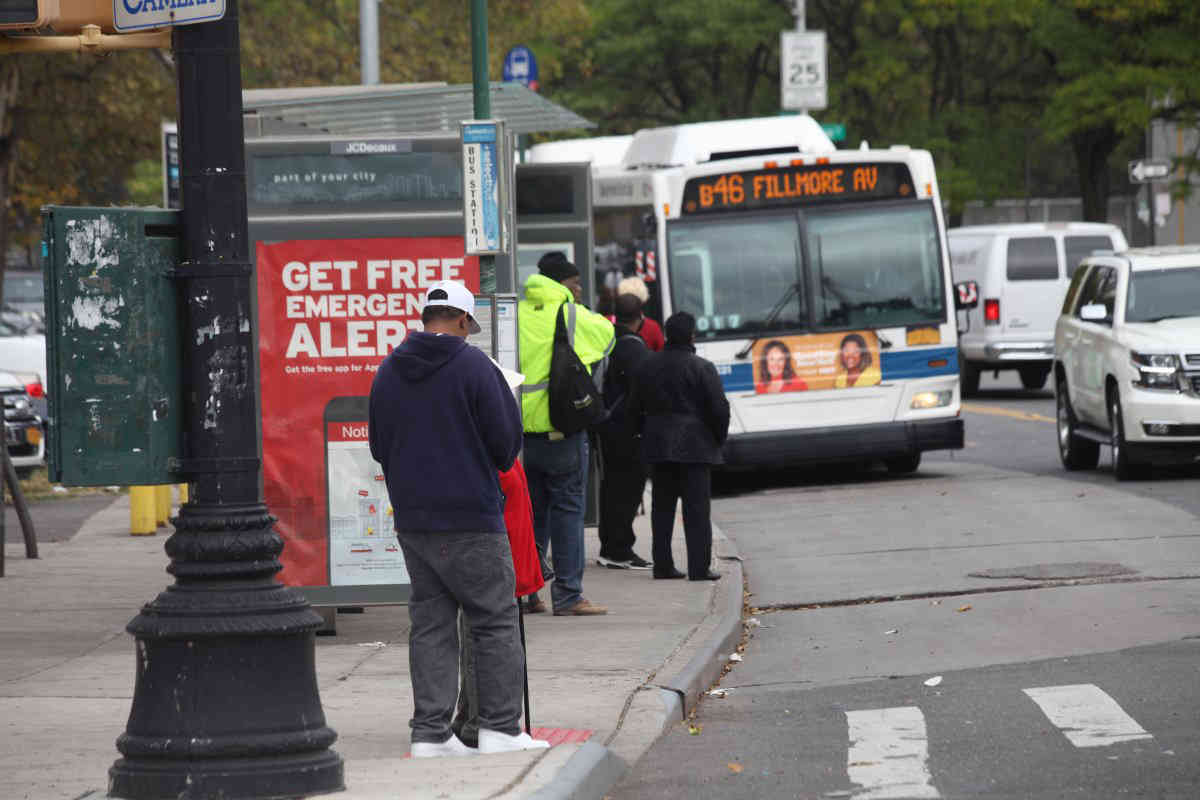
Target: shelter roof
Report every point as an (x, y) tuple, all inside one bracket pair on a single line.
[(397, 109)]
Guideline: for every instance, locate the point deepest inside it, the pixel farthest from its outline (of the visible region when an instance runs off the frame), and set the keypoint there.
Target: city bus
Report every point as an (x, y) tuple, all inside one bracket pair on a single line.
[(819, 279)]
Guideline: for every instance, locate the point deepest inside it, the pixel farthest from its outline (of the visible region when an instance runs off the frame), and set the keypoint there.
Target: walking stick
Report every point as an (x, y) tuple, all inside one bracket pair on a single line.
[(525, 660)]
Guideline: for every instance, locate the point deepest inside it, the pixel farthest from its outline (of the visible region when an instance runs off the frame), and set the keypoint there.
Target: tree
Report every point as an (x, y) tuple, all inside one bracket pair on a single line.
[(1118, 65), (73, 126), (649, 64)]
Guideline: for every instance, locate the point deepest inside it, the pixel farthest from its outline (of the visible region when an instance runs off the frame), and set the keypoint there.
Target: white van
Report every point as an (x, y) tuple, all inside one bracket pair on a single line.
[(1023, 271)]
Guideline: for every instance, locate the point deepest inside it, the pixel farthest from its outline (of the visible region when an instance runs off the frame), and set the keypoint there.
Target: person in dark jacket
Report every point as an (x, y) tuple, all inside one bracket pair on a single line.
[(680, 405), (623, 472), (443, 424)]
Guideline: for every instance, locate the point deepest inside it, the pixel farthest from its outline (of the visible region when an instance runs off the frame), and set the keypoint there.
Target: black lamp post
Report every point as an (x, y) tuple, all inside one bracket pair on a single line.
[(226, 702)]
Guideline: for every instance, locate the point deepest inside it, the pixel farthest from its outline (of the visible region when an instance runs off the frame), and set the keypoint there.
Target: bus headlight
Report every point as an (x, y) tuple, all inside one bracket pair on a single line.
[(924, 400)]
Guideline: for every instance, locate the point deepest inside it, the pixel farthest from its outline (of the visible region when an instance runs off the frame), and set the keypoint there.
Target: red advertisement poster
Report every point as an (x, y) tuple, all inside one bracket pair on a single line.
[(329, 311)]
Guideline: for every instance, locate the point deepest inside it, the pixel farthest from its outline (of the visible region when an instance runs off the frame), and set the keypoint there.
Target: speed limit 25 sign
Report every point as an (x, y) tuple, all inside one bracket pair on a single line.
[(803, 70)]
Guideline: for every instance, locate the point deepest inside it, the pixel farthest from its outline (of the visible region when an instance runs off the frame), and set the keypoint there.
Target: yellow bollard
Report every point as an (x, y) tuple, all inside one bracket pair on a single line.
[(162, 503), (183, 493), (142, 511)]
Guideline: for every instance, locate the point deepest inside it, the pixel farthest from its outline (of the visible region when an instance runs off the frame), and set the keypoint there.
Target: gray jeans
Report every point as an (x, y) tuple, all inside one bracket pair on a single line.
[(474, 572)]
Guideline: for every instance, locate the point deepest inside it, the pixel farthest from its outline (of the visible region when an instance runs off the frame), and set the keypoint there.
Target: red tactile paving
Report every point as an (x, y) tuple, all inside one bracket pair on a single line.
[(556, 736)]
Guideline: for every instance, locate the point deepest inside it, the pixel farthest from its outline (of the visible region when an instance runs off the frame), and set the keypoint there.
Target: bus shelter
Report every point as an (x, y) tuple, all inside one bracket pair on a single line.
[(355, 205)]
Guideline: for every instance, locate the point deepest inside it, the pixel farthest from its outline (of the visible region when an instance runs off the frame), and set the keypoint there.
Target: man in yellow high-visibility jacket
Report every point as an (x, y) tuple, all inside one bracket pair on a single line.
[(557, 465)]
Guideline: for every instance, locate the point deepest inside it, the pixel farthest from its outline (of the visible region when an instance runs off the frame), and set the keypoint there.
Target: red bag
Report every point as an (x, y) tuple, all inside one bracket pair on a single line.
[(518, 519)]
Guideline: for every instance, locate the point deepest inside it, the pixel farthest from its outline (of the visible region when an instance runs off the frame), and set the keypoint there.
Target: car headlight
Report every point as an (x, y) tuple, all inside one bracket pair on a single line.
[(923, 400), (1156, 370)]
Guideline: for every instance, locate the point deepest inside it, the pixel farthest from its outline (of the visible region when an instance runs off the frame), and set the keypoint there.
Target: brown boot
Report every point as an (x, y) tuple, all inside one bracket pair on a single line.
[(584, 608)]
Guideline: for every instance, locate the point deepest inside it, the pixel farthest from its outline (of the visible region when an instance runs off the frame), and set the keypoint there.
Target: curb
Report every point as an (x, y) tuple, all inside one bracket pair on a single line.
[(596, 768)]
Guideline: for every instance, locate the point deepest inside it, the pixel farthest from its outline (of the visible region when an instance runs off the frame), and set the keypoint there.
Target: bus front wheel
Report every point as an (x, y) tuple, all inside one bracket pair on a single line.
[(903, 465)]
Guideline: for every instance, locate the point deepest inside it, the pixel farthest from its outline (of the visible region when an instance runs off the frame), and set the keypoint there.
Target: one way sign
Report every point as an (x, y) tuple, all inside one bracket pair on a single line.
[(1148, 170)]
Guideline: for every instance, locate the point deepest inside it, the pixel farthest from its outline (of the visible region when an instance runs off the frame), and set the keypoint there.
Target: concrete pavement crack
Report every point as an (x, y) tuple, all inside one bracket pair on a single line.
[(939, 548), (1049, 584), (58, 664)]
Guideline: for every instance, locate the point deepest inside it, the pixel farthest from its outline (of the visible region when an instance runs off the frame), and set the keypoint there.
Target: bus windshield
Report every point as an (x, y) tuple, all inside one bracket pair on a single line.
[(730, 273), (875, 267), (867, 267)]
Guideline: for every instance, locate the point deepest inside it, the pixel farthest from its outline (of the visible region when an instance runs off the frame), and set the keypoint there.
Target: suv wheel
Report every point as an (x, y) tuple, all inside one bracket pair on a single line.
[(1034, 377), (1076, 452), (1123, 468), (968, 376)]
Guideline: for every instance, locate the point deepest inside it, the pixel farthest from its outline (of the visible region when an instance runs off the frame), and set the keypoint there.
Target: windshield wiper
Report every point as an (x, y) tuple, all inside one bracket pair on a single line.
[(793, 290)]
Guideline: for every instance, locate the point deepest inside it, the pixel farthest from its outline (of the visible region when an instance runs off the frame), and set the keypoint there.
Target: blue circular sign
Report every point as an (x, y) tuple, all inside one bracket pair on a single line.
[(521, 67)]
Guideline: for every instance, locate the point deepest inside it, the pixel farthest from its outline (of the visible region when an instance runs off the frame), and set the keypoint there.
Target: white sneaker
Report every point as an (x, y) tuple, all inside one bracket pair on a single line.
[(448, 749), (497, 742)]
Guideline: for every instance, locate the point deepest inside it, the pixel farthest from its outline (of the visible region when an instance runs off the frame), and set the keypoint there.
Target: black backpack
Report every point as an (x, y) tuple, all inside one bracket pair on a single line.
[(575, 401)]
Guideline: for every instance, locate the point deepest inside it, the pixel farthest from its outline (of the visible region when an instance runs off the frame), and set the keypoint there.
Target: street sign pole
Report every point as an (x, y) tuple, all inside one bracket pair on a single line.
[(483, 110), (368, 40), (1147, 171), (225, 702)]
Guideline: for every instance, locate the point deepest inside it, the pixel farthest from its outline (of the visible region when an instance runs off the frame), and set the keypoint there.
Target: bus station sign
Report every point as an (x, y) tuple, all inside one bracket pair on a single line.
[(134, 15)]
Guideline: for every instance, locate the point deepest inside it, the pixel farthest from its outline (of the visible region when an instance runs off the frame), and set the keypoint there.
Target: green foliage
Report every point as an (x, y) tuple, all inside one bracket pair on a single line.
[(145, 185), (80, 125)]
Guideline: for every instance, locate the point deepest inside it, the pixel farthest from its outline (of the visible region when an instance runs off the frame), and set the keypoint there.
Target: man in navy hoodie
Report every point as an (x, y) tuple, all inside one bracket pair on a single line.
[(443, 423)]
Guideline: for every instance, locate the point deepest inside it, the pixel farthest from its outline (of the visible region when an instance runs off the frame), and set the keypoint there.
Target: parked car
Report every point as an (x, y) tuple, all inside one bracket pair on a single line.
[(23, 432), (1023, 271), (1127, 361), (24, 299), (24, 356)]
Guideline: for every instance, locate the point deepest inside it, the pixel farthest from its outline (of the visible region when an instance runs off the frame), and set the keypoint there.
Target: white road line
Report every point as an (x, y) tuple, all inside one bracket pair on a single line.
[(1087, 715), (889, 754)]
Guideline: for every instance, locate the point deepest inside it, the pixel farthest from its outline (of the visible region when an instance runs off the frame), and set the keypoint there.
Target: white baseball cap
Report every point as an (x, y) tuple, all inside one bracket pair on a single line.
[(454, 295)]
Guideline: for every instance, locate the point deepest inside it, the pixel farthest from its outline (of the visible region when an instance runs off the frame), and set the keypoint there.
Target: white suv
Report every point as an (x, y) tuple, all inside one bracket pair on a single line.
[(1127, 360)]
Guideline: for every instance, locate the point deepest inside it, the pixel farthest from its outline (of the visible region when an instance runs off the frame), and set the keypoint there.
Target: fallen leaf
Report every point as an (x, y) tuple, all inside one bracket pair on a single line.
[(735, 767), (694, 730), (967, 607)]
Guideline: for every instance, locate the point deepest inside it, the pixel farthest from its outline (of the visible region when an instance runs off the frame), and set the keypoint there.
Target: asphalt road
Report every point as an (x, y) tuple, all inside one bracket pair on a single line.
[(1057, 614), (55, 520)]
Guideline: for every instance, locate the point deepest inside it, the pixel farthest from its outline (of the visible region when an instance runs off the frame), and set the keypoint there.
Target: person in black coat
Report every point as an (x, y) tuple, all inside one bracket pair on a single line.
[(679, 404), (623, 473)]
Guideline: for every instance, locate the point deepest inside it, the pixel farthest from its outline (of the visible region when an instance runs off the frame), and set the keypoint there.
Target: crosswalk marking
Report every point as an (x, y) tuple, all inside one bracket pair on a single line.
[(889, 754), (1086, 715)]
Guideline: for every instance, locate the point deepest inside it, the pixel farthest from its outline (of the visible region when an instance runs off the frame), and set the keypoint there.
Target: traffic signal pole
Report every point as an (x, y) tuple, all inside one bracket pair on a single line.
[(225, 702)]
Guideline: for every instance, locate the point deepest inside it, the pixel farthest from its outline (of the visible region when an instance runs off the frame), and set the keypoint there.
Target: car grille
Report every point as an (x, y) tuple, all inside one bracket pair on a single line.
[(1193, 359), (17, 405)]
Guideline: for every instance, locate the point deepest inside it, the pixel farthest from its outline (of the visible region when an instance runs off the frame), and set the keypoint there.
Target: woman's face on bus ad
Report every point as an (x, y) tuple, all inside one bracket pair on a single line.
[(851, 356), (776, 360)]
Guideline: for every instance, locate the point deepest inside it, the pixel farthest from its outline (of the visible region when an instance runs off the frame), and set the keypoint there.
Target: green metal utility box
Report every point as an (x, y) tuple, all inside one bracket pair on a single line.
[(113, 346)]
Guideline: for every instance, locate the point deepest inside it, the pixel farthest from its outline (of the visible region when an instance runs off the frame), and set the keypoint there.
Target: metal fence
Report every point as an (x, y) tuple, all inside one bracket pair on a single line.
[(1122, 212)]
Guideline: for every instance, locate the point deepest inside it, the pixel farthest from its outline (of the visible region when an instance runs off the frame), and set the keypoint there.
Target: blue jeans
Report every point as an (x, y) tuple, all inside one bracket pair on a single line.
[(557, 472)]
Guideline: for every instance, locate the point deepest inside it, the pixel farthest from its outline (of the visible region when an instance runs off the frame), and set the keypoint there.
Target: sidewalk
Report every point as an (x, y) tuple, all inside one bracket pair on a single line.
[(67, 670)]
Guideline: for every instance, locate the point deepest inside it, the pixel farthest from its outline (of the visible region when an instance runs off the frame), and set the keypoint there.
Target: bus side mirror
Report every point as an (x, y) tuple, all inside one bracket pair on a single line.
[(966, 295)]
